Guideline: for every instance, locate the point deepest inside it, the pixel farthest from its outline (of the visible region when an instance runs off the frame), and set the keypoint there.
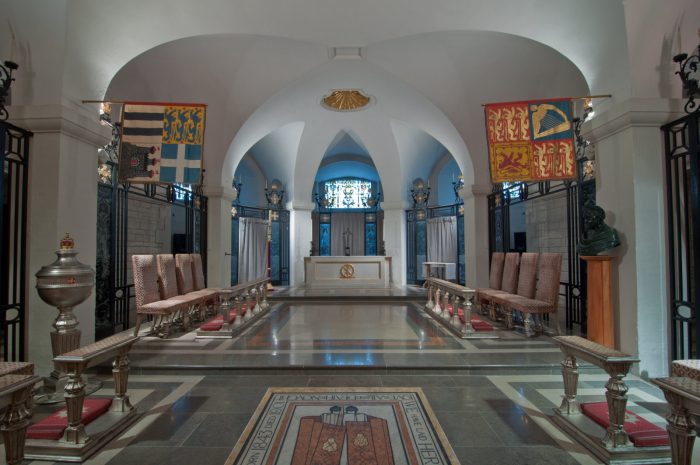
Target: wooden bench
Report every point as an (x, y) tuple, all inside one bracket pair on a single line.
[(615, 445), (78, 443), (683, 395), (15, 398)]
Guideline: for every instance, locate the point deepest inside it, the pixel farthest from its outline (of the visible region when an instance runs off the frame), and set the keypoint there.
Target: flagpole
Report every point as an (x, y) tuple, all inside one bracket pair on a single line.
[(558, 98)]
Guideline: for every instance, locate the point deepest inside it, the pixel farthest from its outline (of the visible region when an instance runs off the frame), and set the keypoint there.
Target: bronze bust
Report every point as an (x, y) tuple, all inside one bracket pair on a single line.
[(597, 236)]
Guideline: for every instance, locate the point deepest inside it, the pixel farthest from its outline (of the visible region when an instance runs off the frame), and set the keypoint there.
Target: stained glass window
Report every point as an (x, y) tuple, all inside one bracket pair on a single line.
[(347, 193), (514, 189)]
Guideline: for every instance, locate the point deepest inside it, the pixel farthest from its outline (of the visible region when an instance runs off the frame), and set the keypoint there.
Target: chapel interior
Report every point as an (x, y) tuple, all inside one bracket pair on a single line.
[(207, 203)]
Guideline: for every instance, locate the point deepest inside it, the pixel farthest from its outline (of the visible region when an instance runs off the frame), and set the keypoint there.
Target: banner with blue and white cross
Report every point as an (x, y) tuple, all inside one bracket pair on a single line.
[(162, 143)]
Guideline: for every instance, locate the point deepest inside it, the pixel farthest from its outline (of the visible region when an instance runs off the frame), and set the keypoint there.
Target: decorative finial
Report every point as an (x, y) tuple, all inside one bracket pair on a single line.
[(67, 243)]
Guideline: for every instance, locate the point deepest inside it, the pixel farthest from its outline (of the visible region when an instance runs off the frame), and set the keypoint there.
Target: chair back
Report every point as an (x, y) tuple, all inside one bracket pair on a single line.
[(527, 275), (167, 276), (198, 272), (145, 274), (548, 276), (496, 274), (185, 281), (510, 273)]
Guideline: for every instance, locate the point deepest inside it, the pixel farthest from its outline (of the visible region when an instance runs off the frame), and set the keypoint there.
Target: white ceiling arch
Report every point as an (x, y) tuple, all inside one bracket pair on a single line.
[(91, 60), (372, 126)]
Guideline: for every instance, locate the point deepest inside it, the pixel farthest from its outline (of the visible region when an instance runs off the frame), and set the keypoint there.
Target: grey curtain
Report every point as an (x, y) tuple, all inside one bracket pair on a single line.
[(252, 249), (341, 225), (442, 242)]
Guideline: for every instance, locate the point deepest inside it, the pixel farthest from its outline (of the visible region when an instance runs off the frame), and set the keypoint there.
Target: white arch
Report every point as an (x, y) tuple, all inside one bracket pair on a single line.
[(398, 103)]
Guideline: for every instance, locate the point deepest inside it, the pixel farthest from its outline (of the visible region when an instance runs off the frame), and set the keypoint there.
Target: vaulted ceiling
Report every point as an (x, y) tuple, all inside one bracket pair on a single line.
[(263, 69)]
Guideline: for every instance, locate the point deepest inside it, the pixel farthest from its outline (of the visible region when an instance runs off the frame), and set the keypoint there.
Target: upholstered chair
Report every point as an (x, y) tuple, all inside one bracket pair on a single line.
[(546, 300)]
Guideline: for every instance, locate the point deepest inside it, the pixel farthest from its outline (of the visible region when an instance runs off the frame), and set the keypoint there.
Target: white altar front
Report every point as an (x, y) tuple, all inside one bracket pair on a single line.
[(347, 272)]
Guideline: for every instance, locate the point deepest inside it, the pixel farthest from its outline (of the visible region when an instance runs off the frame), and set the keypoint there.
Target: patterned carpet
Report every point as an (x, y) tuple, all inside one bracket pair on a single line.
[(338, 426)]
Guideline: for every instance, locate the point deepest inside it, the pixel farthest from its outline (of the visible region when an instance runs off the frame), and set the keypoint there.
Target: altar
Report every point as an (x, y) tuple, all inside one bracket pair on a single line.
[(347, 272)]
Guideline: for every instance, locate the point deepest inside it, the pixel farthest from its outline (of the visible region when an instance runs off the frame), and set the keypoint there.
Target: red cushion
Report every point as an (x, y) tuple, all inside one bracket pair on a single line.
[(642, 433), (52, 427), (212, 326), (477, 324)]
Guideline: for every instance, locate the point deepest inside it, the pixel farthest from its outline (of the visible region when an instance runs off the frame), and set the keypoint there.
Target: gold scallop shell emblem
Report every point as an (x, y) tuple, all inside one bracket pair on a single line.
[(345, 100)]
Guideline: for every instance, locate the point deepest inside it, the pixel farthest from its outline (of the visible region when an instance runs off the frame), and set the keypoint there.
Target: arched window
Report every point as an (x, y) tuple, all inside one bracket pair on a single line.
[(348, 193)]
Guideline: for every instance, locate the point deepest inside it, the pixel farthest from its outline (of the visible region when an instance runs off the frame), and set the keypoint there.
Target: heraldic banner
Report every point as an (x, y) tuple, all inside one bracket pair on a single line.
[(162, 143), (530, 141)]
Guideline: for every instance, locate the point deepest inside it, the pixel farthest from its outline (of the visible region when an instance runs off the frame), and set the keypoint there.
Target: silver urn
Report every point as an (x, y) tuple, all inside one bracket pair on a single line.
[(64, 284)]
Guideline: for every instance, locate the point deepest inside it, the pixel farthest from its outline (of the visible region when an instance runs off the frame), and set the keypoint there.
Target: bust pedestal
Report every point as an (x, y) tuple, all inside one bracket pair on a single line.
[(601, 314)]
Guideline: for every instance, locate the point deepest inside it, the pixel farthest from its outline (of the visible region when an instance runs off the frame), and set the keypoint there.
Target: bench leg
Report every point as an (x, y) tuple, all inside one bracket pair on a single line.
[(14, 424), (507, 316), (569, 371), (493, 314), (75, 394), (616, 394), (139, 319), (120, 374), (529, 325), (681, 430)]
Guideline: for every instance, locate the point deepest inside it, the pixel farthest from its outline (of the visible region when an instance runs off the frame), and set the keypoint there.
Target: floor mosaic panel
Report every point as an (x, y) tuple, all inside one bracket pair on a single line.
[(343, 426)]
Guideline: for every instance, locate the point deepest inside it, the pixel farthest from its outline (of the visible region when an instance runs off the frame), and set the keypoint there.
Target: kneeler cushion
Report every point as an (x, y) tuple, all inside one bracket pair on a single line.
[(477, 324), (52, 427), (217, 322), (642, 433)]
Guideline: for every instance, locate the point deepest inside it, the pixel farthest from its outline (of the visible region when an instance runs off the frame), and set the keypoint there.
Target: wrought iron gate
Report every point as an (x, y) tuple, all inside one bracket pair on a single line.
[(112, 287), (13, 240), (278, 243), (682, 153), (417, 239)]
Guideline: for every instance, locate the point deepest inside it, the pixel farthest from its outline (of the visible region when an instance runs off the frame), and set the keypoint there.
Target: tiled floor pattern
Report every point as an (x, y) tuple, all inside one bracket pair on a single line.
[(370, 335), (493, 397), (494, 419)]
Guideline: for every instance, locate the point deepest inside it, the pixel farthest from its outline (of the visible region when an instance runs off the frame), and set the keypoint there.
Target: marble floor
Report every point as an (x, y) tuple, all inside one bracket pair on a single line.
[(493, 397)]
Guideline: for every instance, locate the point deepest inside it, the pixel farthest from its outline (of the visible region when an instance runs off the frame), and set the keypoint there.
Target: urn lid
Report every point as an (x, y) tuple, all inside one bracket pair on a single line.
[(66, 271)]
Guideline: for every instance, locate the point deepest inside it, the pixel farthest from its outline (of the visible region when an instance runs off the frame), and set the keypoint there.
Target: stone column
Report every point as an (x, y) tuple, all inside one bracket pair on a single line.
[(630, 187), (301, 231), (395, 240), (476, 234), (219, 235), (62, 198)]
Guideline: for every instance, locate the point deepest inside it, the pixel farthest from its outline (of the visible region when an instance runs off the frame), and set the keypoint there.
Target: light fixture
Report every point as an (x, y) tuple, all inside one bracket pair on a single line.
[(6, 81), (688, 72), (420, 192), (457, 186), (234, 211), (275, 194), (238, 186)]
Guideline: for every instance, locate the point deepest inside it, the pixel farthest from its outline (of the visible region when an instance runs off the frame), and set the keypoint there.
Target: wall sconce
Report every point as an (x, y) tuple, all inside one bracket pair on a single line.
[(109, 152), (238, 187), (321, 200), (457, 186), (234, 212), (420, 192), (6, 81), (373, 200), (688, 72), (275, 194)]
